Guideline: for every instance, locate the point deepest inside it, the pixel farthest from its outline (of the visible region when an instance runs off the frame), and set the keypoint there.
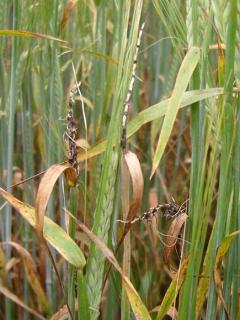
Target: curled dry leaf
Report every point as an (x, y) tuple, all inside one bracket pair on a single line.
[(12, 263), (18, 176), (32, 275), (10, 295), (136, 175), (153, 202), (63, 314), (44, 192), (172, 236), (71, 177), (172, 312)]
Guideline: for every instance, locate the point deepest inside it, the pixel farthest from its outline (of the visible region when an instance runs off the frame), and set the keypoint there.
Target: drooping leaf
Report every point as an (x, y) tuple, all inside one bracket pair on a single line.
[(136, 303), (44, 192), (172, 236), (28, 34), (53, 233), (136, 175), (131, 170)]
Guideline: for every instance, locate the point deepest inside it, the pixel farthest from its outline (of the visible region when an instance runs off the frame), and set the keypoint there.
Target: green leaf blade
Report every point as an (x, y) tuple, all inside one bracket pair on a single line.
[(184, 75)]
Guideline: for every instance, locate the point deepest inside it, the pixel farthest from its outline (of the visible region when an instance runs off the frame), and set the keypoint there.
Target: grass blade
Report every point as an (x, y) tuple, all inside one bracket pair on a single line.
[(185, 72), (152, 113), (28, 34)]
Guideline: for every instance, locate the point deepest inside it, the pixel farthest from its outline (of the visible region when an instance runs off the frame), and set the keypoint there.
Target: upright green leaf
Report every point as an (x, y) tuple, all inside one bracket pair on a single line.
[(185, 72)]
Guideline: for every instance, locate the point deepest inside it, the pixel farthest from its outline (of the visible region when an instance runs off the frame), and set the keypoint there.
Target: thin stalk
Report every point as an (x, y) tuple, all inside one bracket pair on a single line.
[(227, 139), (51, 152), (195, 205), (10, 146), (83, 305), (125, 183), (72, 272), (28, 165), (235, 223)]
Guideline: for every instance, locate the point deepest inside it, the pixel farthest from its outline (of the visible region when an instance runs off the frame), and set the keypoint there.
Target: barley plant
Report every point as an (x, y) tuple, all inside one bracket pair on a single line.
[(120, 159)]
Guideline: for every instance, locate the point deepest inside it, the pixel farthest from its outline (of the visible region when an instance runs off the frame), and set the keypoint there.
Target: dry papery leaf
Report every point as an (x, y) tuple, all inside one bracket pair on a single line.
[(67, 12), (3, 273), (44, 192), (63, 314), (136, 175), (11, 263), (172, 312), (172, 236), (153, 202)]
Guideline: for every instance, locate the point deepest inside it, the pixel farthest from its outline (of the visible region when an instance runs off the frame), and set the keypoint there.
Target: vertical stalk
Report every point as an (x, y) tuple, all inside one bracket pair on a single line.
[(227, 138), (11, 109), (195, 205), (51, 152), (28, 163), (235, 223), (125, 183), (73, 206)]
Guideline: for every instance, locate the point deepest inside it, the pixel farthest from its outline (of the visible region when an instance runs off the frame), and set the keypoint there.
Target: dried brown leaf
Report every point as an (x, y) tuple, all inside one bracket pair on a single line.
[(12, 263), (172, 312), (63, 314), (172, 236), (3, 274), (71, 177), (44, 192), (136, 175), (67, 12)]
